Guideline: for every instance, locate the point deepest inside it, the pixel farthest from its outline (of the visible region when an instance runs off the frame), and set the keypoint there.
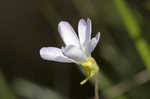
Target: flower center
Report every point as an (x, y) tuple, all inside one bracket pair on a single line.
[(90, 67)]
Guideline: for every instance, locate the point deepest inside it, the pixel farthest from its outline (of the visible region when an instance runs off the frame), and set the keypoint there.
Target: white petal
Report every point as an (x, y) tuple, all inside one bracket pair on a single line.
[(68, 34), (75, 53), (86, 48), (89, 28), (54, 54), (92, 44), (82, 29)]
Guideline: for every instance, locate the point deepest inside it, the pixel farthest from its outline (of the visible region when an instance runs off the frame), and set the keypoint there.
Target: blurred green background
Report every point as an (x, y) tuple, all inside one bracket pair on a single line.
[(123, 52)]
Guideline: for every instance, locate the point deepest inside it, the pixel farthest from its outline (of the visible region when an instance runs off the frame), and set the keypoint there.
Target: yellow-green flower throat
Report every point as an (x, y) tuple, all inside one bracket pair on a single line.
[(90, 67)]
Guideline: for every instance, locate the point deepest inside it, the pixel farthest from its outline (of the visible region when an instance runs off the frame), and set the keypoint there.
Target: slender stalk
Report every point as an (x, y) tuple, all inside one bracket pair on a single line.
[(96, 86)]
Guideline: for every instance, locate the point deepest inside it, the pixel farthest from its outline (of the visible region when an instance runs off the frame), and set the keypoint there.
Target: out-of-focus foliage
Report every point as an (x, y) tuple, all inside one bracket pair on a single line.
[(32, 91), (5, 92), (123, 52)]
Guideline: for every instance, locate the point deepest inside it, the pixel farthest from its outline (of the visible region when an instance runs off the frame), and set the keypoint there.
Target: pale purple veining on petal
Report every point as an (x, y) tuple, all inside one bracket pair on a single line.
[(82, 31), (68, 34), (54, 54), (86, 48), (75, 53), (92, 44), (89, 29), (87, 44)]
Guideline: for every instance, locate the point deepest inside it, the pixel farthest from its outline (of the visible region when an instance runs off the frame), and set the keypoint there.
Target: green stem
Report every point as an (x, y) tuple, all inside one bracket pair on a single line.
[(96, 86)]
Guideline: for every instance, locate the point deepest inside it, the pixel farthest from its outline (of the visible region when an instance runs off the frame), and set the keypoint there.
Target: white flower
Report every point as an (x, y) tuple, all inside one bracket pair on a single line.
[(77, 49)]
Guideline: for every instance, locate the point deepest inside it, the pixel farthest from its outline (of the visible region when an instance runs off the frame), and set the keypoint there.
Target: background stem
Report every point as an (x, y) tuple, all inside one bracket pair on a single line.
[(96, 86)]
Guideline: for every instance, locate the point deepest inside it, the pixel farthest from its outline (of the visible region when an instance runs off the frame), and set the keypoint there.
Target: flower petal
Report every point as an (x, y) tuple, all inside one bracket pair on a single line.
[(68, 34), (75, 53), (54, 54), (89, 28), (82, 29), (92, 44)]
